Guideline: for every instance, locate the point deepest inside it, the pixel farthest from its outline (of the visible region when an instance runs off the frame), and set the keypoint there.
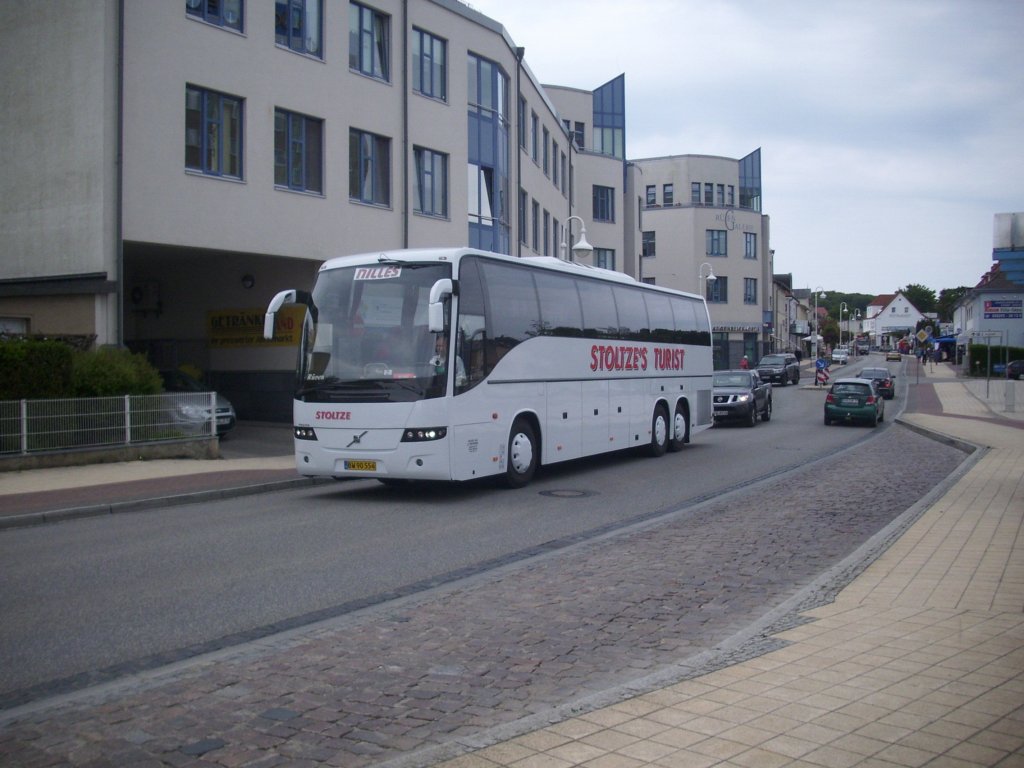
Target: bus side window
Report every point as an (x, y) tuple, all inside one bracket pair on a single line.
[(472, 333)]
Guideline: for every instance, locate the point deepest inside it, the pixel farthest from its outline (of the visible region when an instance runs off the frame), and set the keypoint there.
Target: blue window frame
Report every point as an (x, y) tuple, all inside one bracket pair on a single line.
[(604, 203), (431, 182), (298, 25), (369, 49), (222, 13), (750, 290), (429, 65), (369, 167), (546, 162), (668, 195), (535, 219), (716, 242), (298, 152), (213, 132), (523, 212), (489, 139), (717, 290), (604, 258), (750, 245), (649, 245)]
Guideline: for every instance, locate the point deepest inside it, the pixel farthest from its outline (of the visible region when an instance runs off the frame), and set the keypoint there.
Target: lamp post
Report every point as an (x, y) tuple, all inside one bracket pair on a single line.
[(856, 320), (702, 277), (817, 321), (582, 247), (843, 310)]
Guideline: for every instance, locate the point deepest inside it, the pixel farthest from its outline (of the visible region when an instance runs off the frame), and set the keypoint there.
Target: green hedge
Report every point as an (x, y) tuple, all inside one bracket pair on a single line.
[(979, 354), (31, 369)]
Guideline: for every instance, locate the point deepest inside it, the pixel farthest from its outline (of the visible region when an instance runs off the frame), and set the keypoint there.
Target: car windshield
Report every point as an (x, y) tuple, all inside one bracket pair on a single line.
[(772, 360), (731, 380), (874, 373), (851, 388)]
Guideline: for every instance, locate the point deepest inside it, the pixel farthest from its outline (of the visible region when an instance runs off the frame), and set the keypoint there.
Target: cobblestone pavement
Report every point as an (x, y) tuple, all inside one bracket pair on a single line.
[(477, 660)]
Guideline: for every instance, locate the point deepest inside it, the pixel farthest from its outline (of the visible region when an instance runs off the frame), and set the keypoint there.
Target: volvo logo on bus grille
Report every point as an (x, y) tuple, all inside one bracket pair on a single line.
[(357, 439)]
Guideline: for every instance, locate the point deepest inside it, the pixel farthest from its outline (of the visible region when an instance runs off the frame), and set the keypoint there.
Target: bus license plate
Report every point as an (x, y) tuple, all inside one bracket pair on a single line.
[(360, 466)]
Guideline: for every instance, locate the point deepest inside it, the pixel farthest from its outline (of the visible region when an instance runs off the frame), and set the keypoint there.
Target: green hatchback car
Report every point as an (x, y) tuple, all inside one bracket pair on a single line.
[(854, 400)]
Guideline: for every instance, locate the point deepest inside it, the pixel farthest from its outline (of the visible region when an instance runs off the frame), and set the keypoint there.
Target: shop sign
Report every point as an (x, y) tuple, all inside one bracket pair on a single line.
[(233, 328)]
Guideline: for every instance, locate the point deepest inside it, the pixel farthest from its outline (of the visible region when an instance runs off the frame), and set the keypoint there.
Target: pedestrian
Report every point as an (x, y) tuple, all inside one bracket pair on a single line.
[(744, 363)]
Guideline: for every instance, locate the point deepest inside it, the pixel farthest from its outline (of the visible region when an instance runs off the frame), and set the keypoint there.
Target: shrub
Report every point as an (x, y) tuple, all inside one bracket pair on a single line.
[(108, 371), (33, 369)]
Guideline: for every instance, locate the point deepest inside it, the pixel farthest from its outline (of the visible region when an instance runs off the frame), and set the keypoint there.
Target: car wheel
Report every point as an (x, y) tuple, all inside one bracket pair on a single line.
[(766, 414), (874, 420), (680, 425), (751, 420), (659, 431), (522, 455)]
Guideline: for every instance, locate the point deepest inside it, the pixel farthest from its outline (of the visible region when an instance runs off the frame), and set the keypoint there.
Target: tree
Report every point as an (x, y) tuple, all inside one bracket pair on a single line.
[(948, 297), (922, 297)]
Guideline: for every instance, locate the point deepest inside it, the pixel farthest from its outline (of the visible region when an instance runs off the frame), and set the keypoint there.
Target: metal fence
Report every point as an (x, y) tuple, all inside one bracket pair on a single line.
[(37, 426)]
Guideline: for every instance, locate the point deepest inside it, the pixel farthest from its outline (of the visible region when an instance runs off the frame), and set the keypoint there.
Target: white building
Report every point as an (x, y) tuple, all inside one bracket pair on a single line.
[(889, 318), (991, 313)]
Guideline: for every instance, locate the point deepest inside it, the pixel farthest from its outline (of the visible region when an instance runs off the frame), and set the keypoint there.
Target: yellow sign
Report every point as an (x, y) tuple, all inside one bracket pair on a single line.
[(244, 327)]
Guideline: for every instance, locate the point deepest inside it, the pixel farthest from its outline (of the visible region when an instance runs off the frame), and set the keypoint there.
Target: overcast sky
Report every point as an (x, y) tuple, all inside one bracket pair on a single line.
[(891, 131)]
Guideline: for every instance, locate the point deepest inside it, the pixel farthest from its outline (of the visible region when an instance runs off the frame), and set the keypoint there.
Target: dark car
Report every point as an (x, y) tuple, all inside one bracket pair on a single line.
[(853, 400), (781, 367), (884, 380), (191, 413), (741, 396), (1014, 369)]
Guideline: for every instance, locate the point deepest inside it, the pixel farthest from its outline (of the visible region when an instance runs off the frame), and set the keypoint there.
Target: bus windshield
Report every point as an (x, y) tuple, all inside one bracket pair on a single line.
[(366, 339)]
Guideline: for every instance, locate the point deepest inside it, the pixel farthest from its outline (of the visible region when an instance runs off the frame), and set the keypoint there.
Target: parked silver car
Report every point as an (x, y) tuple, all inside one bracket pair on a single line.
[(179, 381)]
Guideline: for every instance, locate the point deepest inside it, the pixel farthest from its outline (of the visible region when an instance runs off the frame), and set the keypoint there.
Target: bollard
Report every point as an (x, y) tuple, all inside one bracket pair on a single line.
[(1011, 396)]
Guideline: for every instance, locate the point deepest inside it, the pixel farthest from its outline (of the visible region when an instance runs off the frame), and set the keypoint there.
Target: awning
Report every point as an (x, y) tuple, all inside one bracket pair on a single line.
[(811, 338)]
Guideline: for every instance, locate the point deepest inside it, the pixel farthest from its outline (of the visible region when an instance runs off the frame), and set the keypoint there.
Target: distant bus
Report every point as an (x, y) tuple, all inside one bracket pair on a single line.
[(455, 364)]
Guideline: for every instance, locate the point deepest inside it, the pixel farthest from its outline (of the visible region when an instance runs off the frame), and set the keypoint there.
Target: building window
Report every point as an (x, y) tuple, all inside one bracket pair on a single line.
[(535, 225), (431, 182), (489, 143), (668, 195), (298, 152), (749, 245), (604, 258), (534, 141), (429, 65), (556, 237), (554, 163), (578, 133), (369, 41), (648, 244), (523, 230), (604, 203), (547, 232), (716, 242), (213, 132), (297, 25), (369, 167), (652, 195), (709, 191), (750, 290), (732, 196), (223, 13), (717, 291), (546, 165), (695, 193), (720, 195), (521, 122), (564, 174)]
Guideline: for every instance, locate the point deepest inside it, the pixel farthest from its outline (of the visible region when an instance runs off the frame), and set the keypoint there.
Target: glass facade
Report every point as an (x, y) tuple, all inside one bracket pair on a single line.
[(610, 118), (488, 169), (750, 181)]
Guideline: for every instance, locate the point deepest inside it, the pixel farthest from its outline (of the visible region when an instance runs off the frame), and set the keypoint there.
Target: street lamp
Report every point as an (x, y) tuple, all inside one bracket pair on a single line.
[(582, 247), (843, 310), (817, 320), (701, 276)]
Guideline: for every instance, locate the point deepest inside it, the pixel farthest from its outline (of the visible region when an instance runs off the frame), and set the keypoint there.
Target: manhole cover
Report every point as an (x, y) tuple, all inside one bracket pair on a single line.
[(568, 494)]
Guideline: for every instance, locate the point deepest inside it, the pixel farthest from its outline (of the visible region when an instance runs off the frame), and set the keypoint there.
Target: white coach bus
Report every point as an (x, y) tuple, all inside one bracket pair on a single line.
[(454, 364)]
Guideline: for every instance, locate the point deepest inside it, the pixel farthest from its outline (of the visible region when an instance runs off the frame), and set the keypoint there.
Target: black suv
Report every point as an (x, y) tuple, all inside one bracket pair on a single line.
[(781, 367)]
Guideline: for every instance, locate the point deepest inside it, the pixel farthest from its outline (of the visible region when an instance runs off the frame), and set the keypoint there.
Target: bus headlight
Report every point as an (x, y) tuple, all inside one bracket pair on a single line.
[(305, 433), (424, 434)]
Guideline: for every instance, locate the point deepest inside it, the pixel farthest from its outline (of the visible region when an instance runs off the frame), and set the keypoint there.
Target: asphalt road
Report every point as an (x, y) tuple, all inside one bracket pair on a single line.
[(94, 599)]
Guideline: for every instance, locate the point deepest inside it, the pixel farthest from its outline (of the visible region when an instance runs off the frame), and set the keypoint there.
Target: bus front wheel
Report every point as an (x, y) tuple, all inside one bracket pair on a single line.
[(522, 455), (659, 431)]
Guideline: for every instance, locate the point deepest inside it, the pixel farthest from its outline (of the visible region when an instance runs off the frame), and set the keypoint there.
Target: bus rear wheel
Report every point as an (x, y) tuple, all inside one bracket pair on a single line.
[(680, 425), (521, 463), (659, 431)]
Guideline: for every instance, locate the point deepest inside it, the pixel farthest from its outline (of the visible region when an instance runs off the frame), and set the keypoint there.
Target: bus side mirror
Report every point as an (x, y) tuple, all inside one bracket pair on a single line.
[(439, 291), (282, 298)]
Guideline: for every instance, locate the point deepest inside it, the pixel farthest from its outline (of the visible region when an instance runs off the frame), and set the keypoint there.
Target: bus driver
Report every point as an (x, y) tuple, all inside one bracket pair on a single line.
[(440, 360)]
